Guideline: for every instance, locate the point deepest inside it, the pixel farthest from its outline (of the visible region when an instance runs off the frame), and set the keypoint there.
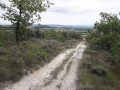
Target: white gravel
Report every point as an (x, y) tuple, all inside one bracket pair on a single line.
[(64, 81)]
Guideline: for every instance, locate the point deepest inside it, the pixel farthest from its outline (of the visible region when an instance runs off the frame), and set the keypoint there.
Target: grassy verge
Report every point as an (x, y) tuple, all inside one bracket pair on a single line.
[(96, 73), (17, 61), (35, 50)]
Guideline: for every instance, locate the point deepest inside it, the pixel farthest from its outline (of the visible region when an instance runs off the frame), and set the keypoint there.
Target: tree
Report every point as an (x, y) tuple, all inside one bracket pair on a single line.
[(107, 35), (22, 13)]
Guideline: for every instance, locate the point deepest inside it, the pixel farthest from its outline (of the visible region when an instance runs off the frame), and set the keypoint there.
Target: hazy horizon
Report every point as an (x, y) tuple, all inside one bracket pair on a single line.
[(55, 24)]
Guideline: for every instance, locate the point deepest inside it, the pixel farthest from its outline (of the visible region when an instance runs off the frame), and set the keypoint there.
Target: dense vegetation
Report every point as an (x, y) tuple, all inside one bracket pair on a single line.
[(96, 73), (23, 50), (35, 49), (106, 35), (99, 67), (22, 13)]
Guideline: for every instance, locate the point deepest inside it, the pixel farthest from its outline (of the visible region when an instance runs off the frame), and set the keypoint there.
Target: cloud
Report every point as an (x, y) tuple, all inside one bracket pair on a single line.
[(58, 9), (77, 11)]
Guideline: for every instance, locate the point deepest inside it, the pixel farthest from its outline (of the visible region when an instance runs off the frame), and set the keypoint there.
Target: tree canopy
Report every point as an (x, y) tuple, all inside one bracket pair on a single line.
[(25, 11), (106, 34), (21, 13)]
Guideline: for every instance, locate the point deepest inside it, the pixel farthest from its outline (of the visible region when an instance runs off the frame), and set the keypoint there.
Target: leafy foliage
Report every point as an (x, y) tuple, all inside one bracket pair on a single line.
[(106, 35), (22, 13), (28, 8)]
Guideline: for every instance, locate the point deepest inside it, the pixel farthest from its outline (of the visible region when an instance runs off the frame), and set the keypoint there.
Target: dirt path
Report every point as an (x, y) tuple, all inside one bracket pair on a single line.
[(44, 79)]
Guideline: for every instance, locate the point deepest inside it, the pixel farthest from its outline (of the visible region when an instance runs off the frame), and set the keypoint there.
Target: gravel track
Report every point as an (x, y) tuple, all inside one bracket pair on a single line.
[(66, 78)]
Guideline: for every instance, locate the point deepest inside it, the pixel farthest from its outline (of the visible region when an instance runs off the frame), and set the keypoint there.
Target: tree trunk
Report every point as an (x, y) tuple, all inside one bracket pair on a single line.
[(108, 47), (18, 26), (17, 32)]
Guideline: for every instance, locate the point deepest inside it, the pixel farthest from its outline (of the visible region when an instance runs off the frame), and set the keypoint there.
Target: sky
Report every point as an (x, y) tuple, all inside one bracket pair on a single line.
[(75, 12)]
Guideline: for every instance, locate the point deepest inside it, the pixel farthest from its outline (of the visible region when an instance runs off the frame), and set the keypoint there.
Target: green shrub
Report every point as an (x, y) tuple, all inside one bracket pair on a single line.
[(31, 53), (3, 51), (98, 70), (29, 59), (101, 75), (4, 74), (87, 64), (106, 35)]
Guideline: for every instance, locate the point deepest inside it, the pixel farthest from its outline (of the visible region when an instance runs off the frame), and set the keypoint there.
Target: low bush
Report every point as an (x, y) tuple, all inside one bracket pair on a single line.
[(35, 49), (87, 64), (16, 61), (3, 51), (99, 71), (94, 73), (110, 59)]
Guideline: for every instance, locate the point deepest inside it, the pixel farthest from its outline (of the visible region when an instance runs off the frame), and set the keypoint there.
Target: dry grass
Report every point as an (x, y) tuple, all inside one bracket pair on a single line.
[(32, 53), (17, 61), (91, 81)]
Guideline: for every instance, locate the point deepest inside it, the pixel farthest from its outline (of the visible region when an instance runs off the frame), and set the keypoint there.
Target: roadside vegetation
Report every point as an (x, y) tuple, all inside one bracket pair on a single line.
[(95, 72), (35, 50), (106, 35), (99, 67), (23, 50)]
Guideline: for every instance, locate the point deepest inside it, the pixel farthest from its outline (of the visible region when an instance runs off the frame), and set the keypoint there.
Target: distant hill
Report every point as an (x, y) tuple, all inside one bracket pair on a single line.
[(74, 26), (6, 27), (54, 26), (40, 26)]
